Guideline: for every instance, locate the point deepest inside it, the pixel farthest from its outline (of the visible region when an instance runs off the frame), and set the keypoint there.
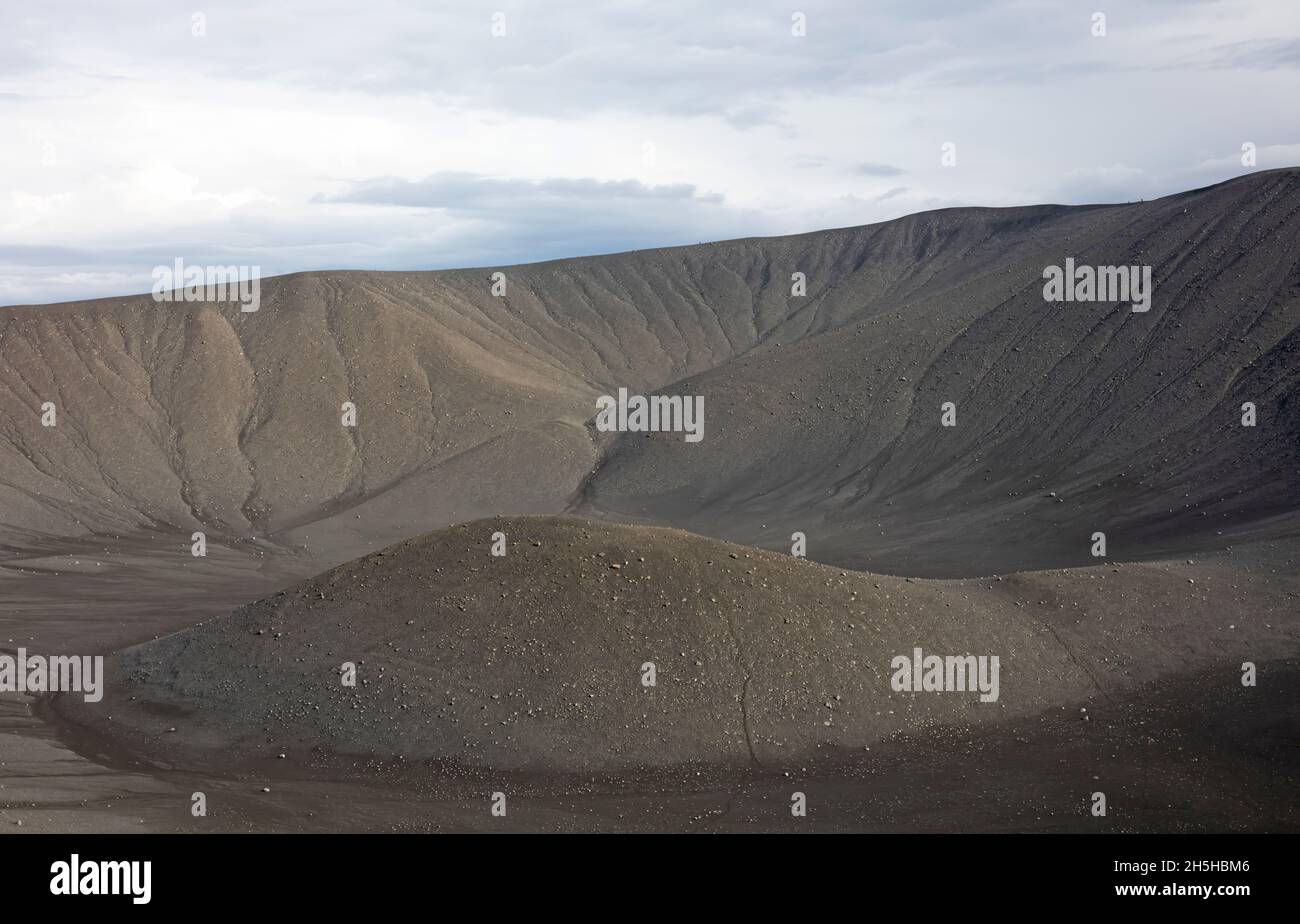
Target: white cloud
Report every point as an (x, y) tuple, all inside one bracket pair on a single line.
[(593, 127)]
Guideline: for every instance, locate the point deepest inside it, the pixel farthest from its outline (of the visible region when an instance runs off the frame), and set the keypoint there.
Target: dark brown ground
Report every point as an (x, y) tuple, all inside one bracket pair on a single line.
[(1191, 755), (773, 677)]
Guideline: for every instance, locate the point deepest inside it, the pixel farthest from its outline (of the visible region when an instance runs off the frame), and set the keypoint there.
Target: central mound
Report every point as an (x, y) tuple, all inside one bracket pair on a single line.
[(538, 658)]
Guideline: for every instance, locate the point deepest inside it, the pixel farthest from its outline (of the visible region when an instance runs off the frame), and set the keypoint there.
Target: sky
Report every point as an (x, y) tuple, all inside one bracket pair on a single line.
[(424, 135)]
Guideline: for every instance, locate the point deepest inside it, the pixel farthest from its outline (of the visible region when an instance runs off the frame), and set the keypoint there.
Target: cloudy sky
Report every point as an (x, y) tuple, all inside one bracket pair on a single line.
[(407, 135)]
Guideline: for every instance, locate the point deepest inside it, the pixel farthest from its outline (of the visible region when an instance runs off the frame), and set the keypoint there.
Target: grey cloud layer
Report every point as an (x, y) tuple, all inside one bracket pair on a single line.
[(459, 190), (674, 56)]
